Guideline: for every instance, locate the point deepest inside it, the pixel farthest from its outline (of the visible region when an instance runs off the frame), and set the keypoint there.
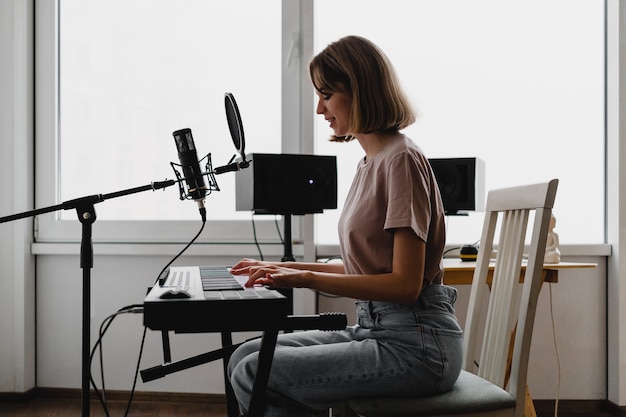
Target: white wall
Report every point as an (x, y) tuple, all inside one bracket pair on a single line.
[(117, 281), (17, 276)]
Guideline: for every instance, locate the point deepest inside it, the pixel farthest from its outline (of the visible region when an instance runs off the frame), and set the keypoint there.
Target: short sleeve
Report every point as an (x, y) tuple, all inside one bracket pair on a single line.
[(408, 195)]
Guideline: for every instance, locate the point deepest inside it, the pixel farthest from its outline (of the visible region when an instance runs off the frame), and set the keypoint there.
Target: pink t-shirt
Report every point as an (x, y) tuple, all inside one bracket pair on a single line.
[(394, 189)]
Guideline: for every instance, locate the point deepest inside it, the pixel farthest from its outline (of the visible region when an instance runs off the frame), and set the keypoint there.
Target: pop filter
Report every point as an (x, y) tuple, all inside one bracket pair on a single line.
[(234, 125), (236, 132)]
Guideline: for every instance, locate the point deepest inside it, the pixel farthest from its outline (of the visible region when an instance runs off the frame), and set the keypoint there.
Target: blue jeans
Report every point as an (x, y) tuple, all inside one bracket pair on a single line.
[(394, 350)]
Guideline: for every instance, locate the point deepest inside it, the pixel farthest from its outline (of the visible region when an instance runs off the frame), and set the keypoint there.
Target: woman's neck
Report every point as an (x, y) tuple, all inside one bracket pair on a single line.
[(373, 143)]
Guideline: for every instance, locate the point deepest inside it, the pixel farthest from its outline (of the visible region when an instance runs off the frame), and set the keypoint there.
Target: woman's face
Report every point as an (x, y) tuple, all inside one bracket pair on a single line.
[(335, 107)]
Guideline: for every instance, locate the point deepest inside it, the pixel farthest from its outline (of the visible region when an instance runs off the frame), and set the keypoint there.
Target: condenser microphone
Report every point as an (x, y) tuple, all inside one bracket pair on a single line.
[(188, 158)]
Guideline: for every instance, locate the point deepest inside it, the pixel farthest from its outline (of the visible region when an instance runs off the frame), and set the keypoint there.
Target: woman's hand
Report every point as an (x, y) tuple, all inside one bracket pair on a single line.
[(403, 284), (243, 267), (272, 274)]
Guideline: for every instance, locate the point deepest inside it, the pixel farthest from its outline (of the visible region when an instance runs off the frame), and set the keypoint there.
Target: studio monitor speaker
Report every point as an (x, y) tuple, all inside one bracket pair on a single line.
[(287, 184), (461, 183)]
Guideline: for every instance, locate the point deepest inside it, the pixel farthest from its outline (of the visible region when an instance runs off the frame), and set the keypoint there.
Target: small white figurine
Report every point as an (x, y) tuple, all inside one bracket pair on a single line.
[(553, 254)]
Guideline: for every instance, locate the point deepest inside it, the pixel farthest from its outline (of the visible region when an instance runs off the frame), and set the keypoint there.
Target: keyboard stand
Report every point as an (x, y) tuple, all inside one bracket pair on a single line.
[(266, 356), (329, 321), (231, 400)]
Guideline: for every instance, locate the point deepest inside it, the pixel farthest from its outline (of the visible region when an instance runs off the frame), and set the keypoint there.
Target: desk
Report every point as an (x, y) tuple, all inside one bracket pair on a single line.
[(457, 272)]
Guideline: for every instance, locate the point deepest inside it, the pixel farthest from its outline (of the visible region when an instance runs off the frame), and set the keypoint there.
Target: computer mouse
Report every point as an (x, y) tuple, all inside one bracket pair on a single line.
[(173, 294)]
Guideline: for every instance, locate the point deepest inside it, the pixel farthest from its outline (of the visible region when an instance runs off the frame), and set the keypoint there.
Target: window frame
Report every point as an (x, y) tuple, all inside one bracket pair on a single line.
[(50, 228), (297, 130)]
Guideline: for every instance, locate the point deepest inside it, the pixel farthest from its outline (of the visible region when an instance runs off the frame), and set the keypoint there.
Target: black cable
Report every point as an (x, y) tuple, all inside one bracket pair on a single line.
[(450, 250), (256, 240), (101, 396), (458, 248), (184, 249), (132, 392), (106, 323), (109, 321), (280, 236)]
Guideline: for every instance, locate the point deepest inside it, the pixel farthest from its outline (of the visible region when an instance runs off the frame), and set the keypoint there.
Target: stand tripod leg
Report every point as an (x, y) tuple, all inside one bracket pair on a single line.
[(86, 216), (86, 343)]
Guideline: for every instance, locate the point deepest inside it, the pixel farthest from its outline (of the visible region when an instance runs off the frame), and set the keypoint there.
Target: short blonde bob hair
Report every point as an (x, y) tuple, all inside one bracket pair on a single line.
[(357, 66)]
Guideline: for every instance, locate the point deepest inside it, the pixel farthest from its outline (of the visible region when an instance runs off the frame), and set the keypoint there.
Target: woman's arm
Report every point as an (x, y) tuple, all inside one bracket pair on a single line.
[(243, 267), (402, 285)]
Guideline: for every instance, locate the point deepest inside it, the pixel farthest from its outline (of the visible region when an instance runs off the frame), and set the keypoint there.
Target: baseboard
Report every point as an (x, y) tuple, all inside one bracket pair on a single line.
[(18, 396), (544, 408), (112, 395), (578, 408), (615, 409)]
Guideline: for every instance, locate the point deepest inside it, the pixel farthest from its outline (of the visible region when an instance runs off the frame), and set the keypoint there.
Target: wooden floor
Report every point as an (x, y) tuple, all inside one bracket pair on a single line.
[(71, 408), (64, 404), (575, 408), (68, 404)]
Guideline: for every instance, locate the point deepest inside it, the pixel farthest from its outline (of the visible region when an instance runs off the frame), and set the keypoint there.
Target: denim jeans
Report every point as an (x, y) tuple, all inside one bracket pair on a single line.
[(394, 350)]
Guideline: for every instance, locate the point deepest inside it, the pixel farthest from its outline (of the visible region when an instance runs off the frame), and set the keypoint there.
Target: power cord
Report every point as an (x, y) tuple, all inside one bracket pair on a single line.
[(280, 236), (450, 250), (106, 323), (256, 240)]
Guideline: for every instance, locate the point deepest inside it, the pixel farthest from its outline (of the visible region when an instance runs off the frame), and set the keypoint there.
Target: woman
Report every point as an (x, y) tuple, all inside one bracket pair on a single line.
[(407, 341)]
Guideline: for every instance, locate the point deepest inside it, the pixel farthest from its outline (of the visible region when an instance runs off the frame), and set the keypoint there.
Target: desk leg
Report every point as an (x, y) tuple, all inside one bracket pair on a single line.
[(529, 406), (266, 356)]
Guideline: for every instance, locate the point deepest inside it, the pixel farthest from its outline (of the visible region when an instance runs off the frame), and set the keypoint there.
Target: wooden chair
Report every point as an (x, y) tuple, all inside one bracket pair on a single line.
[(493, 383)]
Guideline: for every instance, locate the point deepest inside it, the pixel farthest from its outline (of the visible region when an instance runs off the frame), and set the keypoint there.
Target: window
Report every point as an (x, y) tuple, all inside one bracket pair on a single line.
[(134, 71), (130, 72), (519, 85)]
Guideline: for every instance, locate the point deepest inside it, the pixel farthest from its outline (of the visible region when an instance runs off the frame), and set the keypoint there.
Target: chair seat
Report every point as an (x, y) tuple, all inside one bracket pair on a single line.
[(470, 394)]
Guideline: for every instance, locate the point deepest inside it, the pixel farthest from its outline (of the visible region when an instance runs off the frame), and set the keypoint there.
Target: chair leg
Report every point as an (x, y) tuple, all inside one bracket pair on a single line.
[(342, 410), (350, 412)]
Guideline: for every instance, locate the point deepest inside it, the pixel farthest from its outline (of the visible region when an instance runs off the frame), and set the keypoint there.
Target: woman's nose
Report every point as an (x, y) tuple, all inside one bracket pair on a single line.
[(320, 107)]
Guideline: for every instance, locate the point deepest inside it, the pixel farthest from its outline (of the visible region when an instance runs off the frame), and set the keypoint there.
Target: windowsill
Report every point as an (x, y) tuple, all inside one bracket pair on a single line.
[(246, 249), (166, 249), (598, 249)]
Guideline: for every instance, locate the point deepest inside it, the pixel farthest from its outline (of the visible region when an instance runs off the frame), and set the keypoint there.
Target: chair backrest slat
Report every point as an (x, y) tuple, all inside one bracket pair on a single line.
[(500, 316), (511, 307)]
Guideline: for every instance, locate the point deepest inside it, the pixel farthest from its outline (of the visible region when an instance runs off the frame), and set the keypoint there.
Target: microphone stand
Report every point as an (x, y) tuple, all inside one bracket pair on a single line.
[(87, 216)]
